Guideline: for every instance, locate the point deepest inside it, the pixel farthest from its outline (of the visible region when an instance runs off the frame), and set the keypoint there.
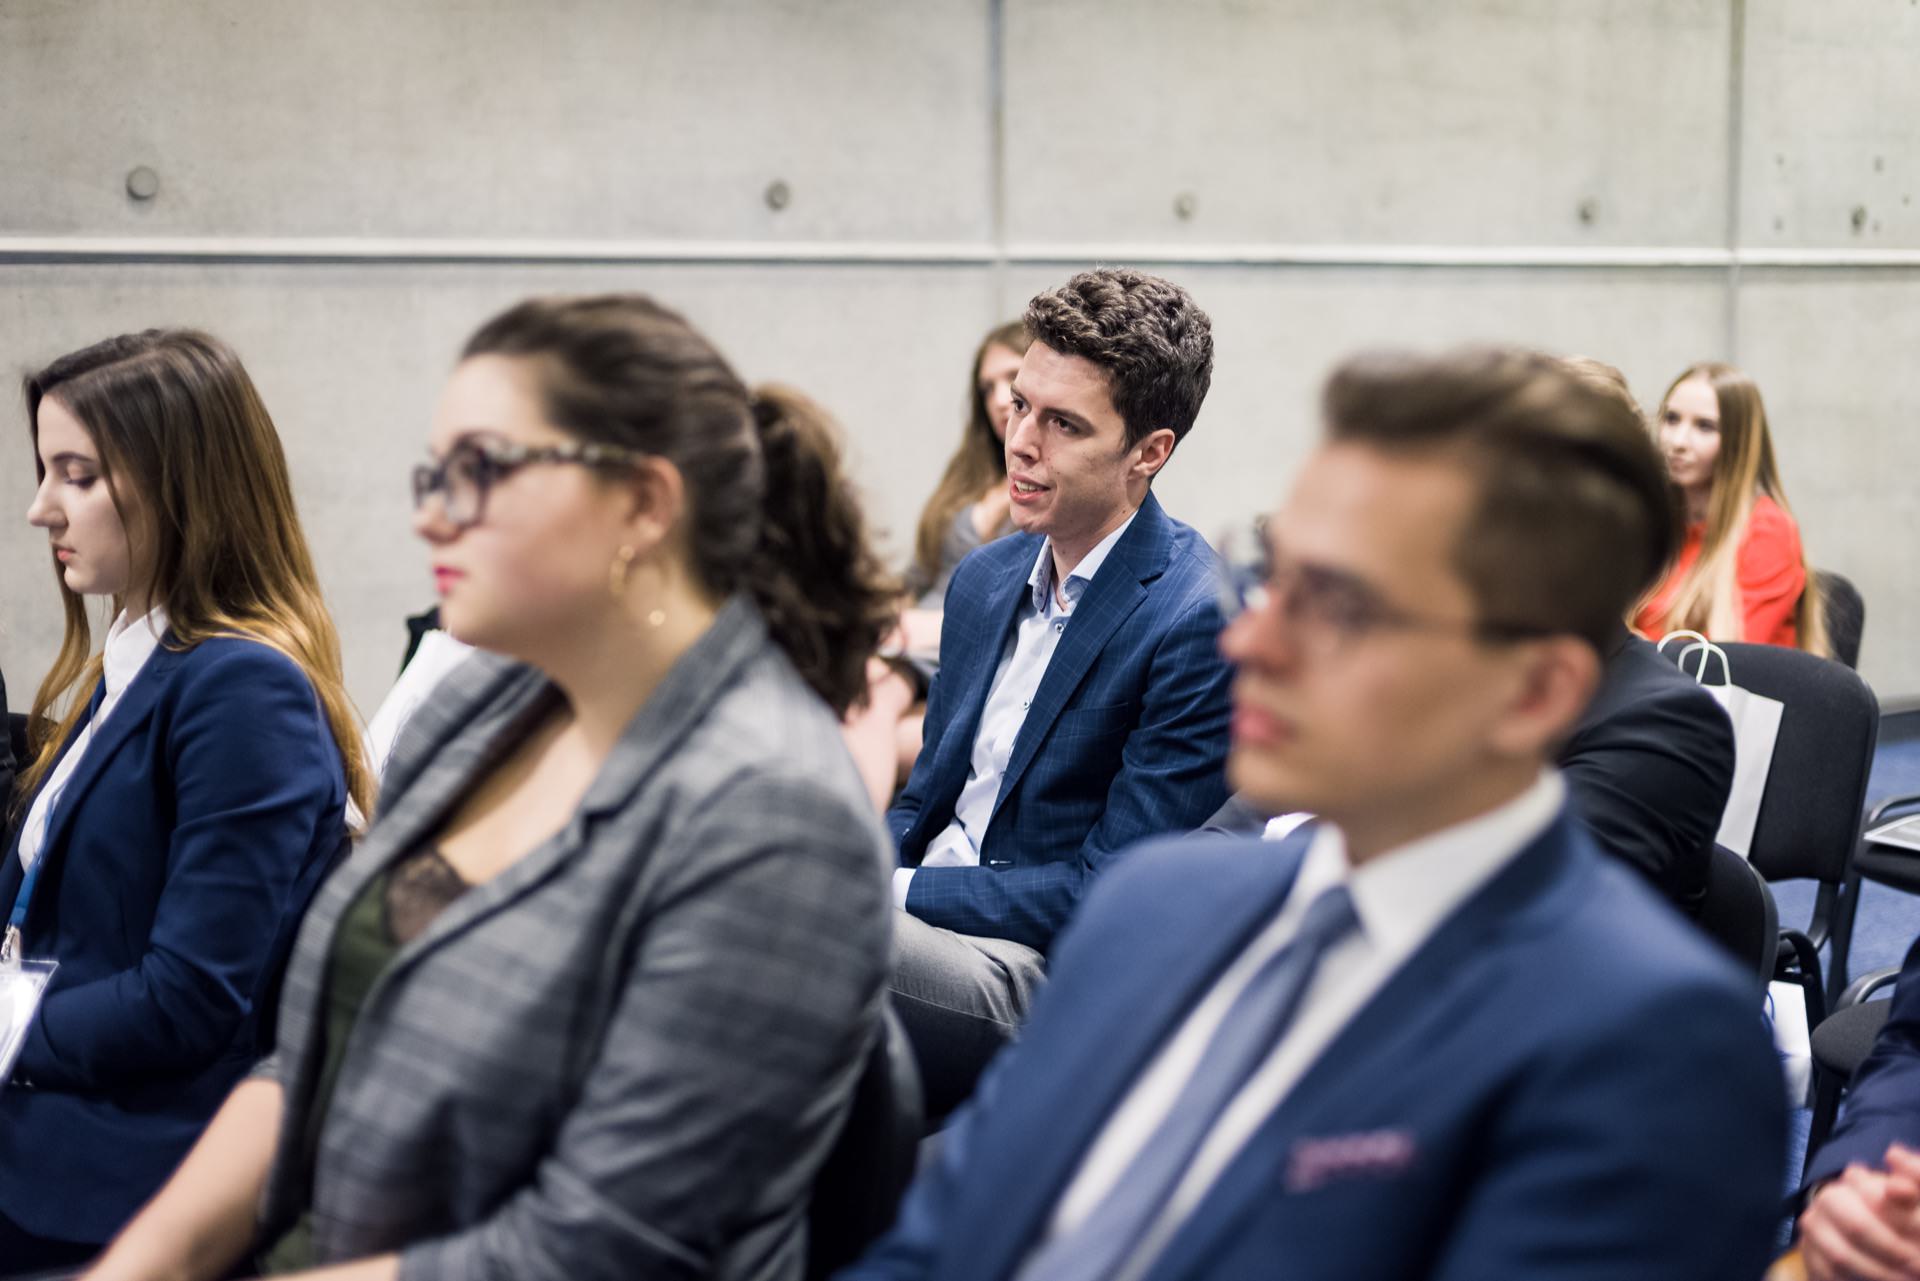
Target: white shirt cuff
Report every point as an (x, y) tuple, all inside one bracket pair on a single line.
[(902, 878)]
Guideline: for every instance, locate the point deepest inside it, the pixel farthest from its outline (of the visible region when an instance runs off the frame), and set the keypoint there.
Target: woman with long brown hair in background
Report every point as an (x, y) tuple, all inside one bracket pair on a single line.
[(1741, 574), (969, 507), (187, 784)]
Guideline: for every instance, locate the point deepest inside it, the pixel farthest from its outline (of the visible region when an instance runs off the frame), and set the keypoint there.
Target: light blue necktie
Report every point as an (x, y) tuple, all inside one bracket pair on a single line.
[(1253, 1026)]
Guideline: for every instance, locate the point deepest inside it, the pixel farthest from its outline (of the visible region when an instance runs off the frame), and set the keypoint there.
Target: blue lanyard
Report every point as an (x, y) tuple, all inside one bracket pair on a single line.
[(19, 918), (10, 943)]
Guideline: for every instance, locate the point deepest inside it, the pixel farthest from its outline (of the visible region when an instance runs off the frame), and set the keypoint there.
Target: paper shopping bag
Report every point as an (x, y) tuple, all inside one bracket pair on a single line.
[(1756, 729)]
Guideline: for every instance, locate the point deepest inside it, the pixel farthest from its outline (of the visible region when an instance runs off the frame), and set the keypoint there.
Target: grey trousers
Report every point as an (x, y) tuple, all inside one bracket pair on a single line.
[(961, 998)]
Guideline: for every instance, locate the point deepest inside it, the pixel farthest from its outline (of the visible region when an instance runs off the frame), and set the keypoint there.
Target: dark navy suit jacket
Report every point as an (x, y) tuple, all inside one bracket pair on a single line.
[(1524, 1098), (1648, 769), (203, 814), (1126, 738), (1883, 1106)]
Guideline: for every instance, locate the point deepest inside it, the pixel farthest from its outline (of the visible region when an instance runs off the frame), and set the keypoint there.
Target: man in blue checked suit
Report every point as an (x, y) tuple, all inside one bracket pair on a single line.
[(1081, 700), (1437, 1034)]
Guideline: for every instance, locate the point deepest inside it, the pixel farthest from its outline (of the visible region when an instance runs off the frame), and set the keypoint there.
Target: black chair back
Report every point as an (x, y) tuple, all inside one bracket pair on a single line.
[(1845, 613), (860, 1185), (1810, 814), (17, 737), (1816, 791), (1739, 912)]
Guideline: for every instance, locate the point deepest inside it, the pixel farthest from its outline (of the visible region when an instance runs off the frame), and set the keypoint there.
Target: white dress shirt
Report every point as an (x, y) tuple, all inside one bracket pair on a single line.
[(1043, 620), (130, 642), (438, 654), (1401, 898)]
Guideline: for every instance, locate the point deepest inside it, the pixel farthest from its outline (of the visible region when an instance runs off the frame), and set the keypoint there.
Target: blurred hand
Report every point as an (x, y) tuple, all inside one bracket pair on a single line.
[(1865, 1224)]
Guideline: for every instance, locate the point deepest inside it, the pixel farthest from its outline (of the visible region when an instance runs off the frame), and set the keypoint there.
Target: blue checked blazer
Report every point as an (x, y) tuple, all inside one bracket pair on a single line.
[(1126, 738), (626, 1055), (1524, 1097)]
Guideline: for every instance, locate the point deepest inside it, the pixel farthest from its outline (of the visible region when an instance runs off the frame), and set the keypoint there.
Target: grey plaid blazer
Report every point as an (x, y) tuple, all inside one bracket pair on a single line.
[(626, 1055)]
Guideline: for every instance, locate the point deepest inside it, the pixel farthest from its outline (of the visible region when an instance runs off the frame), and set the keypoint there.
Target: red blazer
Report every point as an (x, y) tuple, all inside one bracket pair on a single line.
[(1771, 572)]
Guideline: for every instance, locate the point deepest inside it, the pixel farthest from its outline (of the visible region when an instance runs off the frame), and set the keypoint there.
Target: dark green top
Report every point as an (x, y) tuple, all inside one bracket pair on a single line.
[(393, 909)]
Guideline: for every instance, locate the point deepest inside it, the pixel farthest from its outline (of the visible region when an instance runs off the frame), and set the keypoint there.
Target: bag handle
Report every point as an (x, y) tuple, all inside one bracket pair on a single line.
[(1706, 649)]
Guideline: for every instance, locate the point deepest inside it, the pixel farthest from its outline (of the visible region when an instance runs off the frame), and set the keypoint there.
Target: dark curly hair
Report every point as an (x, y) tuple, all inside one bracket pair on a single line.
[(1148, 334), (770, 511)]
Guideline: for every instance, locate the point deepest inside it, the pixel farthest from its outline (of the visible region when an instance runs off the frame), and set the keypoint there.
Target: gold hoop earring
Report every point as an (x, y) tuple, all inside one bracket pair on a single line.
[(621, 570)]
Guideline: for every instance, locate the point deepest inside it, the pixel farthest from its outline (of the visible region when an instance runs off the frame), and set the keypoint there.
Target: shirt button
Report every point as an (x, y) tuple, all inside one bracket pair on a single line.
[(1025, 703), (1060, 626)]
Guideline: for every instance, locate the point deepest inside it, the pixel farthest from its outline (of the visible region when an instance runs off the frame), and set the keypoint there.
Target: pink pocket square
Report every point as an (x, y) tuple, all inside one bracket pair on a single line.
[(1369, 1154)]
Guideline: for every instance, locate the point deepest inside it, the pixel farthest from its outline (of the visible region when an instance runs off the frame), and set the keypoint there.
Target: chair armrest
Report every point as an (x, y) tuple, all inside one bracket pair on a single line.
[(1863, 988), (1806, 959), (1879, 812)]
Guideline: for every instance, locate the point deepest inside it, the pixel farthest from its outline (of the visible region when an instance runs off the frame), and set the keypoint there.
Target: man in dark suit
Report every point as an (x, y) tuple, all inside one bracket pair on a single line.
[(1863, 1217), (1648, 769), (1081, 700), (1406, 1042)]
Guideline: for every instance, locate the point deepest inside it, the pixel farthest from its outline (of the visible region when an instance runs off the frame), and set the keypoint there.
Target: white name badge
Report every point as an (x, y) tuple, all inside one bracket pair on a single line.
[(22, 984)]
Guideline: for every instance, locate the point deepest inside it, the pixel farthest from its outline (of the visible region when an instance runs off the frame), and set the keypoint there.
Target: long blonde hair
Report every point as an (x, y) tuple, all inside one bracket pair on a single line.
[(178, 423), (1708, 598), (976, 465)]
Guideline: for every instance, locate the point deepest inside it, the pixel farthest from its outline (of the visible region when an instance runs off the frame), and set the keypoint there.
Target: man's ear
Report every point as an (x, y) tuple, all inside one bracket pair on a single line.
[(1152, 452), (657, 497), (1557, 678)]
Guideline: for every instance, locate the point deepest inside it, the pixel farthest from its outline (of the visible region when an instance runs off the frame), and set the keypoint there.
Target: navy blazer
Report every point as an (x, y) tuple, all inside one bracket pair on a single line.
[(1126, 738), (206, 809), (1883, 1105), (1648, 770), (1523, 1098)]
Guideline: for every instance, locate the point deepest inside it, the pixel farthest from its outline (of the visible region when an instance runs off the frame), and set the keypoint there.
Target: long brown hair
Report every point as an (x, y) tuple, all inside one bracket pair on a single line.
[(977, 464), (770, 512), (181, 429), (1708, 599)]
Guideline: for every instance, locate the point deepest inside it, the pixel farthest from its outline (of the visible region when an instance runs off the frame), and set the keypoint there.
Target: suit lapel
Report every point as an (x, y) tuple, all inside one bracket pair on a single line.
[(1116, 591), (1050, 1129), (984, 640), (129, 714), (11, 873), (675, 707), (1418, 1002)]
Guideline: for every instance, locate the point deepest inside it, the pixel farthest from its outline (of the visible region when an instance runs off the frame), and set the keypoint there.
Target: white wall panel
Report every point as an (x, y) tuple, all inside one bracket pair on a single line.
[(349, 361), (1404, 121), (1832, 353), (586, 118), (1831, 157)]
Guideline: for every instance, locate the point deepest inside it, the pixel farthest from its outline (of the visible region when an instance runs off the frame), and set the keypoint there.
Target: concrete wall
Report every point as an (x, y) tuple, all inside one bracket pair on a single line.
[(345, 190)]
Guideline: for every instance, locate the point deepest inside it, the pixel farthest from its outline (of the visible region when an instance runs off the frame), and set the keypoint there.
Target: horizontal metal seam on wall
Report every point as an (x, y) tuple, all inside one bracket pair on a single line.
[(243, 250)]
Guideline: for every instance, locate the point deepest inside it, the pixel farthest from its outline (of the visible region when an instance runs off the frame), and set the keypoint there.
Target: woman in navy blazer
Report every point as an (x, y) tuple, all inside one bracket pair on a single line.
[(180, 811)]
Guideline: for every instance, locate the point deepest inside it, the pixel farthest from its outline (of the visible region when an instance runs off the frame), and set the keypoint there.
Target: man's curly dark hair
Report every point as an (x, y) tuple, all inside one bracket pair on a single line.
[(1147, 334)]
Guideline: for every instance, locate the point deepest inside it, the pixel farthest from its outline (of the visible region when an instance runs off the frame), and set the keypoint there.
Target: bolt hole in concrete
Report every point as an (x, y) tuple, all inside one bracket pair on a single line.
[(778, 195), (143, 183), (1185, 205), (1859, 219)]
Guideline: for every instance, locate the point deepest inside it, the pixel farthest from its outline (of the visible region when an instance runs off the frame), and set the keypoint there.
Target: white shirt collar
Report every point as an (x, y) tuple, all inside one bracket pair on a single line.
[(130, 642), (1041, 579), (1401, 896)]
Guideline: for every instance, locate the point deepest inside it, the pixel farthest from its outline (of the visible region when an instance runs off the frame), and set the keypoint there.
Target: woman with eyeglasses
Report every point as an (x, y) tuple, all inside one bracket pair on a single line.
[(185, 787), (1741, 573), (591, 998)]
